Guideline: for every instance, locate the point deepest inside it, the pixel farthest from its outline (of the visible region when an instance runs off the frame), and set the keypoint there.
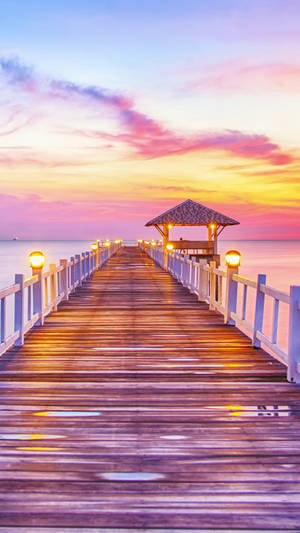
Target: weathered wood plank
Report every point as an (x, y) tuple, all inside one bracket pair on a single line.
[(135, 409)]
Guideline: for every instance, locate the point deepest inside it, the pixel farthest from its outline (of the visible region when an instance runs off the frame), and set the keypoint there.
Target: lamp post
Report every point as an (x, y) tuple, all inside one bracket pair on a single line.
[(37, 261), (233, 261)]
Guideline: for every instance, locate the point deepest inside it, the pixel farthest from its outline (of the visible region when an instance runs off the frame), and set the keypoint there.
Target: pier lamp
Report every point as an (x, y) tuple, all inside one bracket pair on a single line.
[(153, 243), (107, 243), (36, 261), (94, 246), (147, 242), (233, 259), (170, 226), (170, 247), (140, 241), (212, 226), (118, 241)]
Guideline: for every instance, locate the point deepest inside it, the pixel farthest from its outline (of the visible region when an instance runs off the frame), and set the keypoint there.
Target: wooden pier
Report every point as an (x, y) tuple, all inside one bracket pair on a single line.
[(134, 408)]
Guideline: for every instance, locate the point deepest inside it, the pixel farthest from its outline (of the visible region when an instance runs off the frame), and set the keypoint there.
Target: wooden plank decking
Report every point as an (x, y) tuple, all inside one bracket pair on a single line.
[(135, 409)]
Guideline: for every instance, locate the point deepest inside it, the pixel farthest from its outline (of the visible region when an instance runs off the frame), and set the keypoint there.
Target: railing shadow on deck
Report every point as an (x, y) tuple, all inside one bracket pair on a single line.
[(219, 288), (39, 295)]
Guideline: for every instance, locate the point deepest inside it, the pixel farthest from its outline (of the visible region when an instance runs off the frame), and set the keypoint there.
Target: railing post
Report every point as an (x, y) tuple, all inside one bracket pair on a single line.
[(38, 297), (53, 289), (293, 372), (19, 310), (201, 280), (72, 269), (212, 285), (91, 258), (259, 310), (165, 263), (78, 269), (190, 272), (3, 320), (231, 295), (88, 264), (83, 266), (64, 278)]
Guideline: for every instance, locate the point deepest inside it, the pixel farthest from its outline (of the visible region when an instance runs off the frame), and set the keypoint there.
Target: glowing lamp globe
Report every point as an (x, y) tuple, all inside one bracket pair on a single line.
[(170, 247), (94, 246), (233, 258), (170, 226), (37, 260)]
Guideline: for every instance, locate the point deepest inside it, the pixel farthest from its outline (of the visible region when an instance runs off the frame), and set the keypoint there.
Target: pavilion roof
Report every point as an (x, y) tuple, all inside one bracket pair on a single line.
[(190, 213)]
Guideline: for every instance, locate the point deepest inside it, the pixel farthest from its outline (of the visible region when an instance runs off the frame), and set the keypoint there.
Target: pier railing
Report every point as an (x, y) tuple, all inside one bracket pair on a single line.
[(220, 288), (35, 297)]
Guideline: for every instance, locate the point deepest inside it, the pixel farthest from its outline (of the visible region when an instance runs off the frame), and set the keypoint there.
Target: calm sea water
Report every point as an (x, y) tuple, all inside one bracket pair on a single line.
[(279, 260)]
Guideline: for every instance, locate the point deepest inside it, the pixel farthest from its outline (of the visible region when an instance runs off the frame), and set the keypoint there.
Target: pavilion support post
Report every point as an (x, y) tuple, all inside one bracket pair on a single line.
[(210, 233), (215, 243), (166, 235), (165, 242)]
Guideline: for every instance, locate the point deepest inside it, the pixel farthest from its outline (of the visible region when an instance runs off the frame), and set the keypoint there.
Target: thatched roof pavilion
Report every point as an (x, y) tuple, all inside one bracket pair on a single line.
[(190, 213)]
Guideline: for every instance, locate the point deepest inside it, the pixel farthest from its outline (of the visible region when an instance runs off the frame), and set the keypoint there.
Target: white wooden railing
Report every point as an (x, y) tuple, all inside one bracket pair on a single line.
[(37, 296), (219, 288)]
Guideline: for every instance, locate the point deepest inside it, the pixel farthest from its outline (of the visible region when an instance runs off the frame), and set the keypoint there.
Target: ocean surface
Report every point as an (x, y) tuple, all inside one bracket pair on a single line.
[(279, 260)]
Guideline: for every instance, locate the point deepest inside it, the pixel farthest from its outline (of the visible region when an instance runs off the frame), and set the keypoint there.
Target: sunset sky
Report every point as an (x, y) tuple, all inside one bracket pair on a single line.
[(112, 111)]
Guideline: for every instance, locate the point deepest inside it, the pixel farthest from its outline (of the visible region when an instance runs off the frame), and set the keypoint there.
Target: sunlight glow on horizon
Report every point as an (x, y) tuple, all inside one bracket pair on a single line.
[(106, 143)]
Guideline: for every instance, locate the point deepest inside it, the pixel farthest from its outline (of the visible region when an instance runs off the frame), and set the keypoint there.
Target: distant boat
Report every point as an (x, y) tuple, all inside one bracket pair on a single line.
[(15, 238)]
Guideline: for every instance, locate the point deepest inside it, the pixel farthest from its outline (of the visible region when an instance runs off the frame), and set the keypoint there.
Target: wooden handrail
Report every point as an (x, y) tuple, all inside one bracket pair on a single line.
[(205, 280), (42, 293)]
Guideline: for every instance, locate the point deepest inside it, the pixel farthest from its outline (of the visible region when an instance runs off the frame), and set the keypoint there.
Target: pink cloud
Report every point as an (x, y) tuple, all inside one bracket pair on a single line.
[(238, 75), (14, 122), (20, 159), (146, 136), (159, 142)]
